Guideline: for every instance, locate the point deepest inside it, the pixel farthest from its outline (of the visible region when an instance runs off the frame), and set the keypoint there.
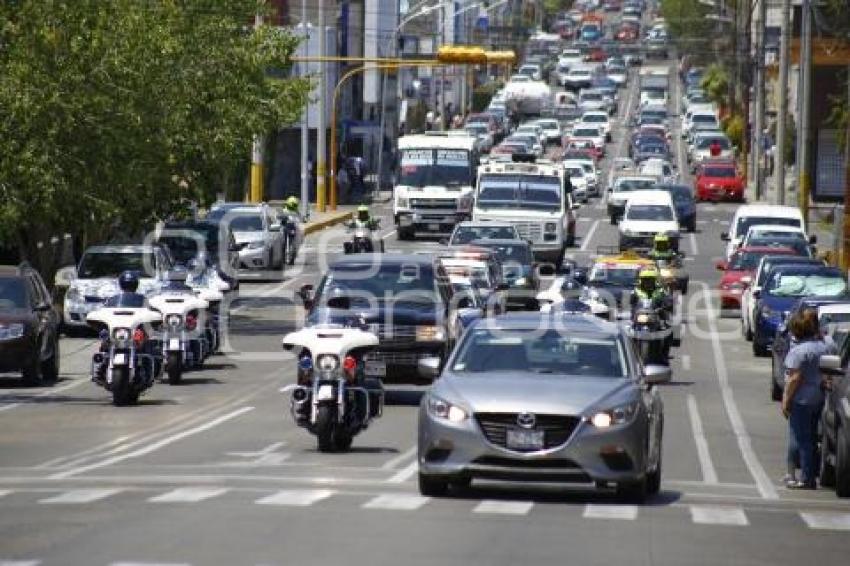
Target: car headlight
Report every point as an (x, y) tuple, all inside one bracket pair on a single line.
[(521, 281), (430, 334), (402, 202), (255, 245), (327, 363), (550, 227), (441, 409), (767, 312), (73, 295), (11, 331), (616, 416)]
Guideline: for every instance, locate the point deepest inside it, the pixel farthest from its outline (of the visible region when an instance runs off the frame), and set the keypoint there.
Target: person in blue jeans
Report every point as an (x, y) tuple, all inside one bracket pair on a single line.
[(803, 398)]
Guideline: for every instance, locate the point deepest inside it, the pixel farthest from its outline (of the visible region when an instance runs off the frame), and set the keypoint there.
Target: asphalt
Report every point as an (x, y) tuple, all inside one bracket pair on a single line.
[(214, 472)]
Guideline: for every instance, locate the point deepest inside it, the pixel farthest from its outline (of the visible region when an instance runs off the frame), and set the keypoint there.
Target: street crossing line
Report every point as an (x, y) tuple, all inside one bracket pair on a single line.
[(149, 564), (397, 502), (20, 562), (718, 515), (497, 507), (406, 455), (189, 494), (76, 496), (296, 497), (585, 241), (827, 521), (405, 474), (619, 512), (4, 493)]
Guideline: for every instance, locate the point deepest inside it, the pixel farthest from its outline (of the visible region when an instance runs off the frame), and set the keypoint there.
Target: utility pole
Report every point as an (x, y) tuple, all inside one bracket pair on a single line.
[(783, 101), (804, 133), (305, 132), (758, 145), (442, 110), (257, 147), (845, 244), (321, 144)]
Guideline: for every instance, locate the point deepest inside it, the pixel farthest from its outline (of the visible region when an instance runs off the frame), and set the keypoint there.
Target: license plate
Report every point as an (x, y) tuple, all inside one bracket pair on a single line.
[(521, 439), (119, 359), (433, 227), (376, 369), (326, 393), (174, 344)]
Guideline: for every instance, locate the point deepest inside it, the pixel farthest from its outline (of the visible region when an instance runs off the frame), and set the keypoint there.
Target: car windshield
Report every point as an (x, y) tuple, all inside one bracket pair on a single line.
[(705, 143), (595, 118), (184, 243), (768, 233), (574, 172), (745, 222), (790, 284), (602, 274), (586, 132), (652, 148), (13, 293), (543, 351), (509, 253), (704, 118), (548, 124), (657, 212), (592, 96), (628, 185), (475, 273), (746, 261), (466, 234), (96, 265), (247, 223), (719, 172), (369, 283), (439, 167), (662, 114), (520, 191), (800, 246)]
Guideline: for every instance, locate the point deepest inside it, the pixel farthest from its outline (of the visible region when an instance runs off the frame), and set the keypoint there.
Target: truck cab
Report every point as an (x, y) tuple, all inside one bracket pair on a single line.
[(434, 183)]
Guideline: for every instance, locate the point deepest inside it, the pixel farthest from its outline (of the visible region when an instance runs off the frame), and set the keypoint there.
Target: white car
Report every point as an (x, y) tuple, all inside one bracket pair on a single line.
[(660, 168), (767, 231), (551, 130), (599, 119), (578, 77), (585, 132), (706, 118), (618, 75), (758, 214), (532, 128), (653, 98), (530, 70), (701, 147), (591, 173), (578, 180), (591, 99), (647, 214)]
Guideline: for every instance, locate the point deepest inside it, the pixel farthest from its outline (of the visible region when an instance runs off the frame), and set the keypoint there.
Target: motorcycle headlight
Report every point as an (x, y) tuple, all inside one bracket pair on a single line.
[(521, 281), (327, 363), (11, 331), (442, 409), (402, 202), (121, 334), (644, 318), (430, 334), (255, 245), (615, 416), (173, 320)]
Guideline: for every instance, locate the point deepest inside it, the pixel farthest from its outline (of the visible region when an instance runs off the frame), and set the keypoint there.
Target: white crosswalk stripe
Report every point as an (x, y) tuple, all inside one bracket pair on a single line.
[(189, 495), (150, 564), (19, 562), (396, 502), (296, 497), (4, 493), (827, 521), (81, 496), (620, 512), (495, 507), (718, 515)]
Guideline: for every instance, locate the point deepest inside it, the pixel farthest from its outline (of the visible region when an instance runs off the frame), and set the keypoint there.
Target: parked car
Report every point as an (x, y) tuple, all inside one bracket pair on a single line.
[(29, 326), (739, 271), (835, 418)]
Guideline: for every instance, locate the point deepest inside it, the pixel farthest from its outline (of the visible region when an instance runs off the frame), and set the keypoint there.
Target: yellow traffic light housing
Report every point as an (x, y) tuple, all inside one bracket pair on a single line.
[(455, 55)]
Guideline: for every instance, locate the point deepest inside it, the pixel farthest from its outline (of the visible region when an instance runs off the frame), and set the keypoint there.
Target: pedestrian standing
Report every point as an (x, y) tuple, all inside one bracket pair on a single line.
[(803, 398)]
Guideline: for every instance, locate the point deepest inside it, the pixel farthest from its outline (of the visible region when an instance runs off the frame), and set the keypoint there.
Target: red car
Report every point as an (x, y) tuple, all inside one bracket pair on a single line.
[(719, 180), (626, 34), (738, 272), (585, 145)]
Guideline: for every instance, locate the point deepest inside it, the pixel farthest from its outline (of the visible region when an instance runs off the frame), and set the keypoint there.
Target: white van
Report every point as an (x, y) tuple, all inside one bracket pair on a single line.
[(759, 214), (647, 214)]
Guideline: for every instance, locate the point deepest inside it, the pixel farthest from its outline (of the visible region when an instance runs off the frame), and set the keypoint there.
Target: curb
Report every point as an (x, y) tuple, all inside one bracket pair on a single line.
[(332, 220)]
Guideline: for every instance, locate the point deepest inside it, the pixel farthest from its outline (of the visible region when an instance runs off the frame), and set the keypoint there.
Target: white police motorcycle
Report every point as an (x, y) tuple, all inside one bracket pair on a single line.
[(184, 341)]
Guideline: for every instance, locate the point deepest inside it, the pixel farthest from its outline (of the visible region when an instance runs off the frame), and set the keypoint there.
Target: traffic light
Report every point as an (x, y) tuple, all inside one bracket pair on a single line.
[(454, 55)]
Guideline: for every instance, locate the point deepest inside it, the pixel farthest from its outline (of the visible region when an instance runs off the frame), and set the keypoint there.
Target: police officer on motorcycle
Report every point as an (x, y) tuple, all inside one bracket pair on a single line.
[(649, 289), (365, 219), (661, 250), (128, 282)]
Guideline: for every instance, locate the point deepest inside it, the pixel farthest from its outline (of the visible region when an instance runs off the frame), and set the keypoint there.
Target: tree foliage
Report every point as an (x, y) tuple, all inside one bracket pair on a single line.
[(114, 112), (692, 31)]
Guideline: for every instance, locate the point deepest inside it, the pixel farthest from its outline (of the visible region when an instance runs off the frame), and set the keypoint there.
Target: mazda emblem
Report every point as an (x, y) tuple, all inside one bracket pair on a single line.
[(526, 420)]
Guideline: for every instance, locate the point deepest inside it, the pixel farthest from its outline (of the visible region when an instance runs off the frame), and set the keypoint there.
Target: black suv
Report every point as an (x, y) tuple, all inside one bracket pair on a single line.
[(407, 300), (835, 419), (29, 326)]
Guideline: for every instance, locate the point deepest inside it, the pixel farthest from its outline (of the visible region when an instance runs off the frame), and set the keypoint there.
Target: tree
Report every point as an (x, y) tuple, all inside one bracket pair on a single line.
[(692, 31), (114, 113)]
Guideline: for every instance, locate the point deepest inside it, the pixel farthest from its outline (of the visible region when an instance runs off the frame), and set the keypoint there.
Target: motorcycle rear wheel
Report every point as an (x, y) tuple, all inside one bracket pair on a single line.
[(325, 424)]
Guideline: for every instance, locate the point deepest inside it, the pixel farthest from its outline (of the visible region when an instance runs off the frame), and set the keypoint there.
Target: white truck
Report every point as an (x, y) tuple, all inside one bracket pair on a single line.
[(532, 197), (434, 184)]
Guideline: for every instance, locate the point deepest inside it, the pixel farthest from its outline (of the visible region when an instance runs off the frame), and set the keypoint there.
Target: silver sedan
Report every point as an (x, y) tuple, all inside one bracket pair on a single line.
[(543, 397)]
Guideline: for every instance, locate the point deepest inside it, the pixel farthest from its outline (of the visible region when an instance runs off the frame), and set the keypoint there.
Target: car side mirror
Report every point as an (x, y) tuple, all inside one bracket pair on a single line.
[(655, 374), (724, 236), (306, 295), (757, 293), (721, 266), (274, 227), (830, 364), (42, 307), (465, 303), (575, 206), (813, 239), (429, 367), (65, 276)]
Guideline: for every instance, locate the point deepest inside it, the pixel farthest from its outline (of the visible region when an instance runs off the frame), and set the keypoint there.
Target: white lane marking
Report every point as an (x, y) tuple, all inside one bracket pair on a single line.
[(827, 521), (404, 474), (620, 512), (585, 241), (296, 497), (81, 496), (718, 515), (680, 147), (709, 474), (288, 388), (4, 493), (766, 488), (152, 447), (496, 507), (78, 455), (41, 394), (189, 494), (149, 564), (584, 219), (388, 234), (694, 247), (686, 362), (20, 562), (396, 502), (404, 456)]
